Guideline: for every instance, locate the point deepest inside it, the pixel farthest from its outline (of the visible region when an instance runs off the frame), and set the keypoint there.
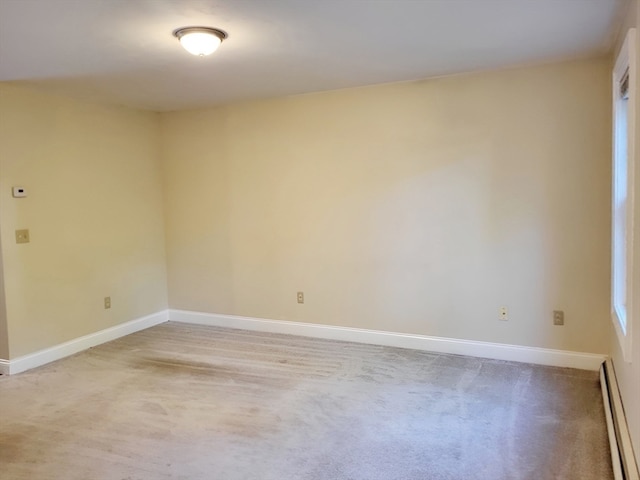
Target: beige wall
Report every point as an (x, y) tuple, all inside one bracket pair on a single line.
[(94, 211), (628, 373), (418, 207)]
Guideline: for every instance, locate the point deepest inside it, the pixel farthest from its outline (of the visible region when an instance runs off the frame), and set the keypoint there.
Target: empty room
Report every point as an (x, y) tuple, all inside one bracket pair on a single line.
[(319, 239)]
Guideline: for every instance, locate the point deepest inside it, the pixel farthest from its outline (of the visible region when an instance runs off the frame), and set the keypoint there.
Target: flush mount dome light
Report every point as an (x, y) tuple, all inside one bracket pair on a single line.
[(200, 41)]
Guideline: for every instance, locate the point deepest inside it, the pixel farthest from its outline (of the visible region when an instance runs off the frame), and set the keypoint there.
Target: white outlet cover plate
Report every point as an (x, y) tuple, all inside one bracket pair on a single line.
[(19, 192)]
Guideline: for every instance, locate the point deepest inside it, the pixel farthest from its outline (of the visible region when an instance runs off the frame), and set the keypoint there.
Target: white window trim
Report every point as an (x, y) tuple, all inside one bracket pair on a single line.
[(626, 61)]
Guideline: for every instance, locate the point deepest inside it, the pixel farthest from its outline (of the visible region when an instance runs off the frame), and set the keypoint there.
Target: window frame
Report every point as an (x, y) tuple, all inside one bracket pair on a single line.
[(622, 317)]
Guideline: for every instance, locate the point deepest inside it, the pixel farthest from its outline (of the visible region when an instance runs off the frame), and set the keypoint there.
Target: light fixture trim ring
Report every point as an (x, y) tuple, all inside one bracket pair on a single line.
[(180, 32)]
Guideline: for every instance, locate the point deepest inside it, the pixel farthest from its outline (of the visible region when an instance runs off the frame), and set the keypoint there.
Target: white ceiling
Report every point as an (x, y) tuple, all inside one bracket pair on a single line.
[(122, 51)]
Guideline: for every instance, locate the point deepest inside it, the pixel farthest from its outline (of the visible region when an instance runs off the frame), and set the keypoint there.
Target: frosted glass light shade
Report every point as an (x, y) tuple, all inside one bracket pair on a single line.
[(200, 41)]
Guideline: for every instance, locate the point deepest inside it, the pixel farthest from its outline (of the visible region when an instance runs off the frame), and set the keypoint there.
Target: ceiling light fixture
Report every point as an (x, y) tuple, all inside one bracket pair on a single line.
[(200, 41)]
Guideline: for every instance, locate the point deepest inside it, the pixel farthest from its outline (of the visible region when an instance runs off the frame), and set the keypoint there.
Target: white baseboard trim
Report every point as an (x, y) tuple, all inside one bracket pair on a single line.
[(42, 357), (516, 353)]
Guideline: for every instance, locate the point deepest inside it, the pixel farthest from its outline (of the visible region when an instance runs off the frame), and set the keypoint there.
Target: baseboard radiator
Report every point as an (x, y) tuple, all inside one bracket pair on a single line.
[(624, 463)]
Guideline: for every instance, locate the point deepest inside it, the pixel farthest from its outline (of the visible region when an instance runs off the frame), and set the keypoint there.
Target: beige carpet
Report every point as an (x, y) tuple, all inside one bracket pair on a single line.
[(191, 402)]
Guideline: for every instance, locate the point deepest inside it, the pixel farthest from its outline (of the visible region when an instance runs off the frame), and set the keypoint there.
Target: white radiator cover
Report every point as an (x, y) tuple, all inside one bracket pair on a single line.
[(622, 458)]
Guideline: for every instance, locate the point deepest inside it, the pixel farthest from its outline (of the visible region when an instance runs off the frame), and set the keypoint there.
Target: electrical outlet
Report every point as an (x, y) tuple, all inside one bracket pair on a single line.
[(558, 317), (107, 302), (19, 192), (300, 297), (22, 236), (503, 314)]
